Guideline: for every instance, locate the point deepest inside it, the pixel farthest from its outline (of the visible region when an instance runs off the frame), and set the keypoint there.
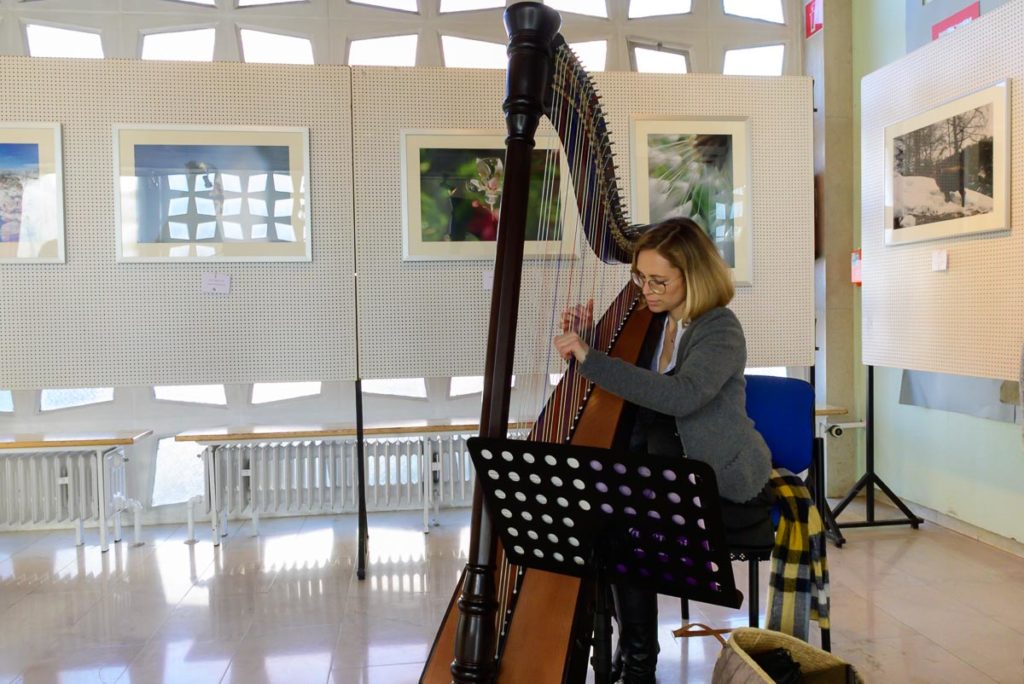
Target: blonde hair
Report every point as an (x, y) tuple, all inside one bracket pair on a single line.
[(686, 246)]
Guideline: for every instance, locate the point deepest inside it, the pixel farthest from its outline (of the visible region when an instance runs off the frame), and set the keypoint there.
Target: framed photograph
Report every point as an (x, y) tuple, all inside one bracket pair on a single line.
[(698, 168), (451, 196), (947, 170), (209, 193), (31, 193)]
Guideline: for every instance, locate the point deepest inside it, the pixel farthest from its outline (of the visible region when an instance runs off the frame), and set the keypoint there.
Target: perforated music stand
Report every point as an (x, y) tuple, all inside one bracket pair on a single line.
[(610, 517)]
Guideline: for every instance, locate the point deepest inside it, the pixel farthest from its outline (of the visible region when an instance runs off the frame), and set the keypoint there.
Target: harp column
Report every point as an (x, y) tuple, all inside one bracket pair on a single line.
[(531, 29)]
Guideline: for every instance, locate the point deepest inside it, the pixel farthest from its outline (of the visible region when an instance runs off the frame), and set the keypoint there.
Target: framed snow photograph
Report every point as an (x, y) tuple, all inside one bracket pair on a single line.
[(211, 193), (31, 194), (700, 169), (947, 170)]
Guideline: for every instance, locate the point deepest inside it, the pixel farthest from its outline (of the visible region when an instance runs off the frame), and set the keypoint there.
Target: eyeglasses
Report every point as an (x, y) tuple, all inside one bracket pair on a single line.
[(655, 286)]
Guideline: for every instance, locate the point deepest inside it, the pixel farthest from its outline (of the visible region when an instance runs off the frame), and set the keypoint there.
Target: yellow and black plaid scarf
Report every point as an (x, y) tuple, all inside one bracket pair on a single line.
[(798, 584)]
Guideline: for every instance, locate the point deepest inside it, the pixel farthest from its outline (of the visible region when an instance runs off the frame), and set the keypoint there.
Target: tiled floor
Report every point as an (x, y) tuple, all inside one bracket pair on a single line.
[(925, 606)]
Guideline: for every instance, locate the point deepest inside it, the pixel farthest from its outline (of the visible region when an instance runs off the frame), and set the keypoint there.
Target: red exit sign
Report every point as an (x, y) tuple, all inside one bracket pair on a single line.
[(813, 17)]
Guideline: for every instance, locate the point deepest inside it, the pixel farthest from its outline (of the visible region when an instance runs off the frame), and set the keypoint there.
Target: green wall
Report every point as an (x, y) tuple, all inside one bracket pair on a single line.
[(968, 468)]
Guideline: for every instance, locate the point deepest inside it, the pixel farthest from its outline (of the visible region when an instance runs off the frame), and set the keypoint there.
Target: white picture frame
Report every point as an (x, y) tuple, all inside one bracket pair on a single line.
[(662, 145), (239, 193), (31, 193), (947, 170), (435, 228)]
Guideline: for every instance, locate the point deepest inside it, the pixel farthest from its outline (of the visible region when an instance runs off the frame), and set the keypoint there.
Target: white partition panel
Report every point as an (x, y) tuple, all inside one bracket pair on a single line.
[(967, 320), (430, 317), (95, 322), (777, 309)]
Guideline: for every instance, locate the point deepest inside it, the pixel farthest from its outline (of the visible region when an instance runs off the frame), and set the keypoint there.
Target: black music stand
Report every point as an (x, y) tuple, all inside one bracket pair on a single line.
[(608, 517)]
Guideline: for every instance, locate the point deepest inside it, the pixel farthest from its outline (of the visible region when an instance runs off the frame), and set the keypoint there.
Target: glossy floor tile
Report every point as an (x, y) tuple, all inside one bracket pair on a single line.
[(907, 606)]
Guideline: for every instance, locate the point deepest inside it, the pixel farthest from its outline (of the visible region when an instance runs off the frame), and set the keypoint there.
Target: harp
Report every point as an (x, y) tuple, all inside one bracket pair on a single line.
[(505, 623)]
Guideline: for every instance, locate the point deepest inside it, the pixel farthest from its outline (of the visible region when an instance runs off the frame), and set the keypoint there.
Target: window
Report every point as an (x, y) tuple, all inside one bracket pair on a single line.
[(777, 371), (399, 387), (463, 52), (466, 385), (657, 8), (389, 51), (467, 5), (49, 41), (254, 3), (593, 8), (404, 5), (759, 61), (6, 401), (766, 10), (192, 394), (275, 48), (179, 472), (188, 46), (591, 54), (659, 60), (54, 399), (266, 392)]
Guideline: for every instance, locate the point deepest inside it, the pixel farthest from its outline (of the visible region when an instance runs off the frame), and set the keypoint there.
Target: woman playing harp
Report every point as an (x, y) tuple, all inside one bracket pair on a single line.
[(690, 394), (509, 624)]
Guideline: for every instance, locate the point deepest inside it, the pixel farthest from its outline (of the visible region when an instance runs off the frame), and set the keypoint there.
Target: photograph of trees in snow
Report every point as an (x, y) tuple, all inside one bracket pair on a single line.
[(944, 171), (947, 175)]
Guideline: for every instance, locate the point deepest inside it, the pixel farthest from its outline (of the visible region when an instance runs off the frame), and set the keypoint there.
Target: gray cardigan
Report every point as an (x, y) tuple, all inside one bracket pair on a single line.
[(706, 393)]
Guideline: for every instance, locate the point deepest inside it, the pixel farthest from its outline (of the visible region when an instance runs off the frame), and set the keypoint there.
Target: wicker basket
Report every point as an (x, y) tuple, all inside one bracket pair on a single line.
[(736, 666)]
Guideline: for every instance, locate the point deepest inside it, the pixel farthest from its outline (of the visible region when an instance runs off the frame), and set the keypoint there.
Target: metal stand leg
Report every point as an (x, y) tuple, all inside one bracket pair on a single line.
[(602, 658), (832, 532)]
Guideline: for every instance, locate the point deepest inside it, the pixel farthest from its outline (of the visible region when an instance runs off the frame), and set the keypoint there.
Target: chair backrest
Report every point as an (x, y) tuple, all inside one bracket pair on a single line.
[(783, 412)]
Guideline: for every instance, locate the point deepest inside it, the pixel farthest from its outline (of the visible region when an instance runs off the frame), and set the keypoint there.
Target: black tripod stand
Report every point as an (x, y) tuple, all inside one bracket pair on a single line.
[(871, 478), (608, 517)]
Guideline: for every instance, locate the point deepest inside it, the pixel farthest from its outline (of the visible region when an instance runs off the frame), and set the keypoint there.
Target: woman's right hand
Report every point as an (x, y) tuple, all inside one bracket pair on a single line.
[(578, 318)]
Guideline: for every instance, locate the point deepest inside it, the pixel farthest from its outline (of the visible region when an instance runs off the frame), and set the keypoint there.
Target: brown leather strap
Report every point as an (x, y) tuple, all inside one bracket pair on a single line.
[(697, 629)]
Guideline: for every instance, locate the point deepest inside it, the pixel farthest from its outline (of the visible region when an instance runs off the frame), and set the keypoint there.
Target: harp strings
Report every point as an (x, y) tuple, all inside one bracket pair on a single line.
[(579, 224)]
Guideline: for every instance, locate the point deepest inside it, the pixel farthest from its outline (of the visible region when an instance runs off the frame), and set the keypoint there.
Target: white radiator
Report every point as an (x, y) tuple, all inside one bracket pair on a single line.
[(55, 488), (46, 488), (310, 477)]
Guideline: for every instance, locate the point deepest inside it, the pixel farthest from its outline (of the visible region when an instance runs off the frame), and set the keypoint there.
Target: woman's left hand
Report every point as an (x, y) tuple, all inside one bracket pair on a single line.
[(570, 344)]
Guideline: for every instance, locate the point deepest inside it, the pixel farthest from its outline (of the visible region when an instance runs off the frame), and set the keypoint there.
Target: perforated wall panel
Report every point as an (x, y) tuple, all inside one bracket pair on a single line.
[(430, 317), (777, 311), (967, 320), (94, 322)]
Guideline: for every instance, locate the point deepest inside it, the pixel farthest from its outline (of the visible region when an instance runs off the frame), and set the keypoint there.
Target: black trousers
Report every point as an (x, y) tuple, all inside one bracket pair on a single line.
[(636, 607)]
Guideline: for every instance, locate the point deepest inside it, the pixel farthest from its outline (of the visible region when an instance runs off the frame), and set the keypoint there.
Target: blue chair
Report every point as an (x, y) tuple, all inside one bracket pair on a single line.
[(783, 412)]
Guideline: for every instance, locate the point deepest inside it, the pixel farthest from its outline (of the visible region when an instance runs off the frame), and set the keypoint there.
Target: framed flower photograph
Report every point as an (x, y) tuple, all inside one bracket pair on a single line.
[(451, 196), (700, 169), (947, 170), (31, 193), (208, 193)]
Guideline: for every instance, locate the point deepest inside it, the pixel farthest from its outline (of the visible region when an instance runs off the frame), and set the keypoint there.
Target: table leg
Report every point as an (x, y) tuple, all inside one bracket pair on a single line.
[(123, 495), (211, 460), (101, 494)]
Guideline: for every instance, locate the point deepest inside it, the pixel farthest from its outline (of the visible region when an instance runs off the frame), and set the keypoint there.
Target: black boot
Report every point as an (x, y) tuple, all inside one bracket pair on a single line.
[(636, 655)]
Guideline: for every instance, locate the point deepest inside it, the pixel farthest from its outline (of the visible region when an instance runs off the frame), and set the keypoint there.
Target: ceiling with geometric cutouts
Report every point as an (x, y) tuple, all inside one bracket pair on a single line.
[(693, 35)]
